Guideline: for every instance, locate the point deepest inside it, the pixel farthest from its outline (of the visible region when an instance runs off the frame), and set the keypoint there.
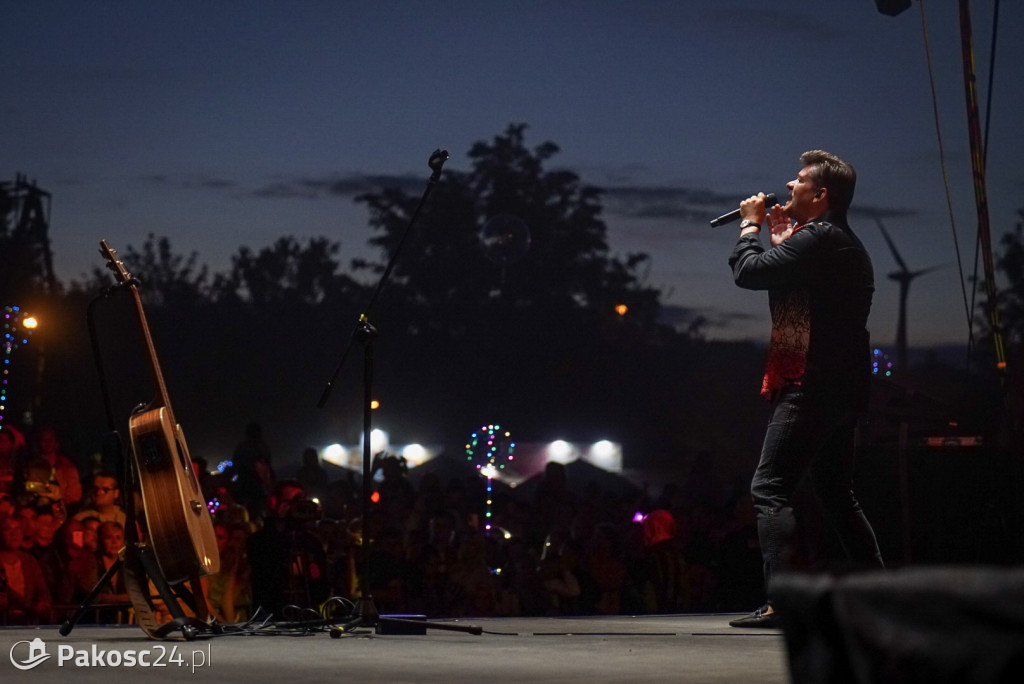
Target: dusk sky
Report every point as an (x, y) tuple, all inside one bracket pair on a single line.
[(224, 123)]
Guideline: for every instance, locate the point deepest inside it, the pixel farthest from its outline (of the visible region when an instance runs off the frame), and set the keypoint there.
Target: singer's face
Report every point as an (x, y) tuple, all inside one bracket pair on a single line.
[(804, 202)]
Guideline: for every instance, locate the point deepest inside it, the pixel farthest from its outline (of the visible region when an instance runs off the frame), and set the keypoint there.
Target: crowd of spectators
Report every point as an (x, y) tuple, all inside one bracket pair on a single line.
[(442, 548), (58, 538)]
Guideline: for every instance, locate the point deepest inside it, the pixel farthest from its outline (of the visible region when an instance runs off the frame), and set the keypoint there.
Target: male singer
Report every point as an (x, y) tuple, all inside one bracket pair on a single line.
[(820, 282)]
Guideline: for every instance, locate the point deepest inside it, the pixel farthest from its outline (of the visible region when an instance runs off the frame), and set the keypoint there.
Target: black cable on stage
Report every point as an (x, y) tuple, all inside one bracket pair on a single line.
[(296, 622)]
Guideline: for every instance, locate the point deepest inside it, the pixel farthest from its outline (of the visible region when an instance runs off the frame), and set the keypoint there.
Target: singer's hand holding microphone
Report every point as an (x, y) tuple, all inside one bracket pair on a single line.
[(754, 212), (769, 201)]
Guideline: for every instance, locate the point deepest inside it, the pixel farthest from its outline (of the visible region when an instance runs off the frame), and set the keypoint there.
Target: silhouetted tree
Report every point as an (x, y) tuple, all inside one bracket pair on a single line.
[(286, 273), (540, 341), (1010, 262), (565, 279), (166, 278), (534, 337)]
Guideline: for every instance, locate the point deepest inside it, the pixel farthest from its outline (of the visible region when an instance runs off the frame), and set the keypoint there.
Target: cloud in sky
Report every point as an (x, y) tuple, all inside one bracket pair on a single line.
[(341, 185), (191, 182), (658, 201), (635, 201), (684, 318), (775, 21)]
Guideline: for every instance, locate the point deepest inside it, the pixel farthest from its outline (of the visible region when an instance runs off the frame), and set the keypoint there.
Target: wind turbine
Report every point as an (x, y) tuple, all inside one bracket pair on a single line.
[(904, 276)]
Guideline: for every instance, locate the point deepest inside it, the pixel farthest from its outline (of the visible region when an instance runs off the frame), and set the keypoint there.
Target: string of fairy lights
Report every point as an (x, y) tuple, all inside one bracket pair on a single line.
[(18, 327), (880, 363), (490, 449)]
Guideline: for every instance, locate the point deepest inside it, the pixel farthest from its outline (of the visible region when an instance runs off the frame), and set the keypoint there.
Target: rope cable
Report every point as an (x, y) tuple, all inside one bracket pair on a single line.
[(984, 158), (945, 172), (980, 196)]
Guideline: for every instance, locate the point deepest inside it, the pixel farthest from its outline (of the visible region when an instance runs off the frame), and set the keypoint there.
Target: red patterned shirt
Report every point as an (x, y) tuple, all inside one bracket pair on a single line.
[(791, 339), (820, 283)]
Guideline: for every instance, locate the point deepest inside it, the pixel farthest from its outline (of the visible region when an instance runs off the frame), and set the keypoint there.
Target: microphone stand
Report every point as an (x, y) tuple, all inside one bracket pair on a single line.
[(365, 613)]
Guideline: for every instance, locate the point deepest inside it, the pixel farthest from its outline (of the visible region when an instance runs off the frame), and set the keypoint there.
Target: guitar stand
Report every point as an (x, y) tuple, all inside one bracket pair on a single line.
[(173, 597), (190, 627), (86, 603), (136, 559)]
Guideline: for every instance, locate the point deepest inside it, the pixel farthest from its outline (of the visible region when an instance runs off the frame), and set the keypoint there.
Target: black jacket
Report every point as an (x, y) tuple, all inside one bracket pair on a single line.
[(820, 283)]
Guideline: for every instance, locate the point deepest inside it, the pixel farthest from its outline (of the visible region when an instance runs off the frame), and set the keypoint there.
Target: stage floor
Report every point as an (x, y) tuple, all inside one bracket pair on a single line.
[(676, 648)]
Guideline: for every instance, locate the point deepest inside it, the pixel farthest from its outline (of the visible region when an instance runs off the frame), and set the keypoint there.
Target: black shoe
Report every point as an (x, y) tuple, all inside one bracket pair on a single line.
[(759, 618)]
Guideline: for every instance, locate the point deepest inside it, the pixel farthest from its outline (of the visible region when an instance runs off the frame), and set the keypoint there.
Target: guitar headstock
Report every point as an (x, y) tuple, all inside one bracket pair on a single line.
[(113, 263)]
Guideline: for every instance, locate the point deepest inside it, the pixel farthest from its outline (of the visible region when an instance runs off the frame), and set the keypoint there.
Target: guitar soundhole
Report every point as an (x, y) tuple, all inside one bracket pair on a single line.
[(152, 454)]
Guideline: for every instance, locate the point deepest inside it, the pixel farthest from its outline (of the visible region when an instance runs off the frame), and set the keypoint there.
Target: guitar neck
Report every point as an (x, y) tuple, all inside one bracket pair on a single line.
[(162, 398)]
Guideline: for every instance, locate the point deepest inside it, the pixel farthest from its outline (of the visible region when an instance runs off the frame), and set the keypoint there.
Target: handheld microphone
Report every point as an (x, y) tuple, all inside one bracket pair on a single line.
[(769, 201)]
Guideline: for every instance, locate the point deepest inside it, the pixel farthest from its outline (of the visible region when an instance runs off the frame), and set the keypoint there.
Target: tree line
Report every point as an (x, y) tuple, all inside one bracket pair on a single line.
[(505, 305)]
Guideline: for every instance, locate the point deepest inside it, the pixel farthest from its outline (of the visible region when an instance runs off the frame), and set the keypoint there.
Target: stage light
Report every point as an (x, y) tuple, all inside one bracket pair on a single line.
[(378, 440), (415, 454), (606, 454), (30, 323), (621, 309), (335, 454), (892, 7), (561, 451)]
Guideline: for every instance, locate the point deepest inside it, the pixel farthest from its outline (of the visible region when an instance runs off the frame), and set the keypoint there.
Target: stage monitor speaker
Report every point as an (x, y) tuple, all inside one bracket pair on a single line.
[(934, 625)]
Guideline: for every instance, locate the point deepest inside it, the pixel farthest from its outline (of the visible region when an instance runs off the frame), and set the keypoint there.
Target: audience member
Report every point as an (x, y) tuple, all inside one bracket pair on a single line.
[(24, 596), (666, 570), (229, 591), (26, 517), (557, 563), (287, 560), (388, 573), (9, 439), (46, 552), (603, 573), (78, 565), (472, 579), (252, 473), (103, 501), (397, 496), (90, 534), (51, 476), (311, 474), (111, 541)]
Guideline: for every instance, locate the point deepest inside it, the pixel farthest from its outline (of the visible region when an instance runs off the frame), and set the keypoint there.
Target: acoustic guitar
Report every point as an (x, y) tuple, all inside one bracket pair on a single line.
[(180, 530)]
